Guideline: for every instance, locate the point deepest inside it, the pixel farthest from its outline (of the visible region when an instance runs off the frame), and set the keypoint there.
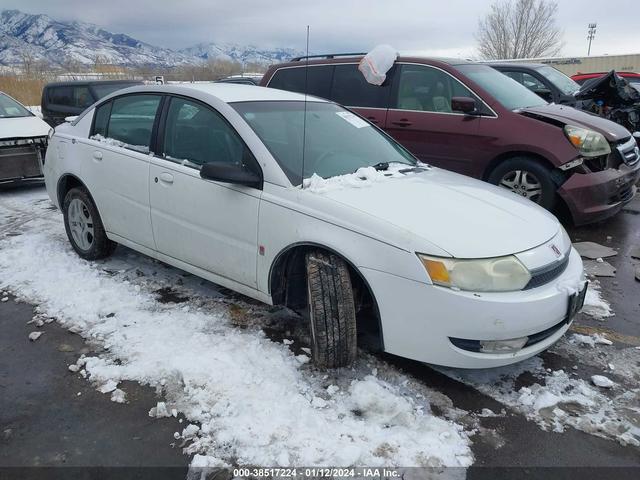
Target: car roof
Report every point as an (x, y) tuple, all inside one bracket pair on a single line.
[(227, 92), (533, 66)]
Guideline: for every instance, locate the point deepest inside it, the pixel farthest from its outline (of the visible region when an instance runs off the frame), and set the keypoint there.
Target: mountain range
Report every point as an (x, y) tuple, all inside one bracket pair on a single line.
[(28, 37)]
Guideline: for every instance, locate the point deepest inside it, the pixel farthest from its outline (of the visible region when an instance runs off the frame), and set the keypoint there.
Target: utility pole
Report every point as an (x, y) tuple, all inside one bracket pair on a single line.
[(591, 35)]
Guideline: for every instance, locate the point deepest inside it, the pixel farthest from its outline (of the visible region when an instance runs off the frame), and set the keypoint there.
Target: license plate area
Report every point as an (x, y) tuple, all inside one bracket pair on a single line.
[(576, 302)]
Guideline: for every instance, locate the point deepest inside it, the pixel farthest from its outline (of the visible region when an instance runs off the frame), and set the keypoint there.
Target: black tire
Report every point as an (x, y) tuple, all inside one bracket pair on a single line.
[(99, 245), (332, 311), (530, 168)]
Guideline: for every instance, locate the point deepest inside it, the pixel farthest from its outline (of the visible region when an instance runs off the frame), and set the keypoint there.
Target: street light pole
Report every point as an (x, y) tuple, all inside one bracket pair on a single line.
[(590, 35)]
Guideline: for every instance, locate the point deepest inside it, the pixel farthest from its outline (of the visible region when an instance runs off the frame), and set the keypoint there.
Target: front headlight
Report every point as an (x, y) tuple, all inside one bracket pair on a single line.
[(588, 142), (502, 274)]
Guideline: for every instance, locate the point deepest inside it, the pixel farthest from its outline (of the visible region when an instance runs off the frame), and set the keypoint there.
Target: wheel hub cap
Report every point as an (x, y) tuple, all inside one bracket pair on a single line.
[(80, 224), (524, 183)]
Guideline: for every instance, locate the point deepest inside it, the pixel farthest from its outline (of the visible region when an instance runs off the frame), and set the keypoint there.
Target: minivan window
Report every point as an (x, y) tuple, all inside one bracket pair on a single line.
[(71, 96), (131, 120), (350, 88), (336, 142), (103, 90), (195, 134), (565, 84), (428, 89), (293, 79), (504, 89)]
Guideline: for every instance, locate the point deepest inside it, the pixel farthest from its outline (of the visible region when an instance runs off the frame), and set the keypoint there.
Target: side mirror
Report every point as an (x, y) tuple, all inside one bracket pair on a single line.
[(466, 105), (230, 173)]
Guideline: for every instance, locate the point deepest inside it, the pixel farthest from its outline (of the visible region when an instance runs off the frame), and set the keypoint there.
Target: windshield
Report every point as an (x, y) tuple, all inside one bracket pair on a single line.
[(336, 142), (504, 89), (9, 108), (108, 88), (560, 80)]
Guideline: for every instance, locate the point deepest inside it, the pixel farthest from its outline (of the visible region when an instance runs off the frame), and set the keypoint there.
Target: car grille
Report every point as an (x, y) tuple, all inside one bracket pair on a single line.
[(21, 161), (628, 150), (546, 274)]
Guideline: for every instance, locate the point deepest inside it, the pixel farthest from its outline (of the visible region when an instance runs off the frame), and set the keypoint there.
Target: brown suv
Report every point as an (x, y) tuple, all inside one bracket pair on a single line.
[(470, 118)]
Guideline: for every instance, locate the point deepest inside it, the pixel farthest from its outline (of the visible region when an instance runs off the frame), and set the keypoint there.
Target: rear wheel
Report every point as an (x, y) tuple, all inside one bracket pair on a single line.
[(332, 310), (527, 178), (84, 226)]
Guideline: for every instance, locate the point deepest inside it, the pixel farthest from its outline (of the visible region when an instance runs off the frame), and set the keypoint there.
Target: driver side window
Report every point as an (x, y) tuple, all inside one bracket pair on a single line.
[(195, 135)]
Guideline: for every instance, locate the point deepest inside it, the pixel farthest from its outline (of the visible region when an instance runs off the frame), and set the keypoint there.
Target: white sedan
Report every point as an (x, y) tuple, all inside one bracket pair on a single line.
[(305, 204)]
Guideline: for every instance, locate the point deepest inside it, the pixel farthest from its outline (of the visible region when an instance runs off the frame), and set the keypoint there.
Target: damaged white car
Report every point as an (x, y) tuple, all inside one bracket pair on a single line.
[(304, 204), (23, 142)]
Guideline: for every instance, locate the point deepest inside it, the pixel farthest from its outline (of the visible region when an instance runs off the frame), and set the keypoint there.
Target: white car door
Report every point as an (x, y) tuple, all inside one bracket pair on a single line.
[(210, 225), (117, 166)]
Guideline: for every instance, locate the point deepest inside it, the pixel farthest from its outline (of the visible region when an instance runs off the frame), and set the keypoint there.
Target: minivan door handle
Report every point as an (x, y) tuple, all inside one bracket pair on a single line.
[(166, 177), (97, 154), (372, 119), (403, 122)]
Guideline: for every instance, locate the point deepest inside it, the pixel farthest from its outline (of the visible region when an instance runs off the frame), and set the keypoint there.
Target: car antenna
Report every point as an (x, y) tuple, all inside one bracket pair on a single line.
[(304, 118)]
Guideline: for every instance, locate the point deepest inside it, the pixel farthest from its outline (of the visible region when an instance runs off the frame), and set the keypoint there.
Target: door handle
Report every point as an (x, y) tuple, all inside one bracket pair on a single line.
[(403, 122), (372, 119), (166, 177), (97, 155)]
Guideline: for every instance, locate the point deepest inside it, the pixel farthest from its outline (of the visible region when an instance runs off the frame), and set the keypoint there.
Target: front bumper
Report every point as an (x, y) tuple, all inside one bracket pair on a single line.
[(418, 320), (592, 197), (21, 160)]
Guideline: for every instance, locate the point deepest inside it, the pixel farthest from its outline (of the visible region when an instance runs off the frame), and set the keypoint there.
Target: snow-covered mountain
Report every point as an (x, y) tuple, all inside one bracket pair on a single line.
[(239, 53), (41, 38)]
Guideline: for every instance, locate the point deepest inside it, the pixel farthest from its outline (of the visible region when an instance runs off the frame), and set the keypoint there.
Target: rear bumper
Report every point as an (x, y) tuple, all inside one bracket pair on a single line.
[(592, 197)]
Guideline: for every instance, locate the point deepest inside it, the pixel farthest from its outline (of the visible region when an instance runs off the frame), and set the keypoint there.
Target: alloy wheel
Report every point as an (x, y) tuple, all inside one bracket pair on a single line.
[(81, 224), (523, 183)]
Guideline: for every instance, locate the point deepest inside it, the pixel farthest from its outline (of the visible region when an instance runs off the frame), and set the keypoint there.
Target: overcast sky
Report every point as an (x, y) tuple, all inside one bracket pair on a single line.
[(442, 27)]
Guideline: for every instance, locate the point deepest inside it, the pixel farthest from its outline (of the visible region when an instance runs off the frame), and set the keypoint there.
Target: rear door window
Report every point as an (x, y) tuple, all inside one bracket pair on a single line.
[(71, 96), (350, 88), (130, 120), (294, 79)]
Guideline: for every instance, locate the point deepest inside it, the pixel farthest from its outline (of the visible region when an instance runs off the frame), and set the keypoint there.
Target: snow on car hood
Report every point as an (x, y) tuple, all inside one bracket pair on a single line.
[(23, 127), (463, 216), (565, 115)]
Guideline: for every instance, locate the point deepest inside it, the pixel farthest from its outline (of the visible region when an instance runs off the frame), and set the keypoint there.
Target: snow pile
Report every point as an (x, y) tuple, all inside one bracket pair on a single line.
[(255, 402), (595, 305), (117, 143), (363, 177), (590, 340), (558, 400)]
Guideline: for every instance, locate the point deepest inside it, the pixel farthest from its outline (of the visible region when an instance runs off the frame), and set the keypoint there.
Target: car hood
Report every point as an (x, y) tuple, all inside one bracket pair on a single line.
[(23, 127), (465, 217), (564, 115)]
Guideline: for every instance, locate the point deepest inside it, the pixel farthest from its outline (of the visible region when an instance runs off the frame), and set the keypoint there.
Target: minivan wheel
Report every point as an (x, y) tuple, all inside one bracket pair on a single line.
[(528, 178), (332, 310), (84, 226)]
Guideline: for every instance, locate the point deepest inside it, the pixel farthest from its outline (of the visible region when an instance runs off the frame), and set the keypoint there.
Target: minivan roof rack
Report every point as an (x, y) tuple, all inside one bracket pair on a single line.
[(327, 55)]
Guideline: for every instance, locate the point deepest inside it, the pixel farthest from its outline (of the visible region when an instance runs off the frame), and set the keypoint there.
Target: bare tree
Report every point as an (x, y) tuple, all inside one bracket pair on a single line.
[(520, 29)]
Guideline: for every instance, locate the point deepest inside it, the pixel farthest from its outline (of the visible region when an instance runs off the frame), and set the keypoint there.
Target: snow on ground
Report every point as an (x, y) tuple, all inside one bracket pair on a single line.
[(254, 401), (35, 109), (557, 399), (594, 304)]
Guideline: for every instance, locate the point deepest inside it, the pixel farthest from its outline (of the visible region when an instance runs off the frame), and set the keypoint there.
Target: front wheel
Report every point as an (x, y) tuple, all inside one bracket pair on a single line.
[(84, 226), (332, 310), (527, 178)]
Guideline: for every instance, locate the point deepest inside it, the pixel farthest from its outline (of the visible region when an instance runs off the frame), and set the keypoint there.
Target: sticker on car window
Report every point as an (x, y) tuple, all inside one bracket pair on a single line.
[(353, 119)]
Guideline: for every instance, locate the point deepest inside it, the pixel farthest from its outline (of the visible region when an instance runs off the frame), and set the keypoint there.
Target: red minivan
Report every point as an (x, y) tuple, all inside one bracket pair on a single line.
[(469, 118)]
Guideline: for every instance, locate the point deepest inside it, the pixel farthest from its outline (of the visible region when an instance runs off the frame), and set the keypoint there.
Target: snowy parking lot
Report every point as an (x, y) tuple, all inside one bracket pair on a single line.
[(238, 372)]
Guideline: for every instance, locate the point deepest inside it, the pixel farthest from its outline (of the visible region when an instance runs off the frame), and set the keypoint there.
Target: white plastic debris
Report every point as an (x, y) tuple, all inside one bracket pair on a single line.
[(602, 381), (375, 64), (33, 336)]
